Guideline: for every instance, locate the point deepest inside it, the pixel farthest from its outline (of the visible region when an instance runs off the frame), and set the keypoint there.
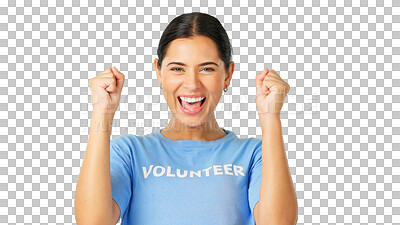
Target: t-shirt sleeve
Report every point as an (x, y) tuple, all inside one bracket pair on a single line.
[(255, 178), (121, 174)]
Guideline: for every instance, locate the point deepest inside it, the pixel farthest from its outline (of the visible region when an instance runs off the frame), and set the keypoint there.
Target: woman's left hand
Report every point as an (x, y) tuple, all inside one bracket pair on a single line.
[(271, 93)]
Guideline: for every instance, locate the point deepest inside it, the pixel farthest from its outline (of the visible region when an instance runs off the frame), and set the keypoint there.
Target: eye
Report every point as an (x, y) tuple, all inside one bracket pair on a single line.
[(174, 69), (211, 69)]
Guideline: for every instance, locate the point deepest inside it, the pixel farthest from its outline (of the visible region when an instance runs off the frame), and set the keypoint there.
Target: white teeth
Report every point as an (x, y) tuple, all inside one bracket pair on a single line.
[(191, 99)]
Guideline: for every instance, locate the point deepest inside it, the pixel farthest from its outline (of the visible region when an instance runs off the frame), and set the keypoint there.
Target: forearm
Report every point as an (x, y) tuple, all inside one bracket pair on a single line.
[(93, 197), (278, 201)]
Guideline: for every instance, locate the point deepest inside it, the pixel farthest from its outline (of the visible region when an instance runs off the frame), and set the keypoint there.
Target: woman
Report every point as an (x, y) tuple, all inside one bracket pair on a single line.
[(192, 171)]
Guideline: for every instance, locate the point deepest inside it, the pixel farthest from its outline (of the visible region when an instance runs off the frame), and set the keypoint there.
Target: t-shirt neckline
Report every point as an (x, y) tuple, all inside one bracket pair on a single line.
[(194, 143)]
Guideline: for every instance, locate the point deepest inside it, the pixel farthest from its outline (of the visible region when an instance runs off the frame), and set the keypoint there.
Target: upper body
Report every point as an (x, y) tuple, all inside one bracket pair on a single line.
[(192, 171), (156, 180)]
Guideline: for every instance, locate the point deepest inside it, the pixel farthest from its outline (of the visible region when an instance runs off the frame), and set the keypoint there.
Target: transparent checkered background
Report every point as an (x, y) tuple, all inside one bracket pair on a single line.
[(340, 121)]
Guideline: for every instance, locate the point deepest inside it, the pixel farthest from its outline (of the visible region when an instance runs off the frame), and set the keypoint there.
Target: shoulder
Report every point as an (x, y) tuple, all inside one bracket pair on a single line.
[(250, 146), (132, 141), (251, 142), (122, 141), (253, 147)]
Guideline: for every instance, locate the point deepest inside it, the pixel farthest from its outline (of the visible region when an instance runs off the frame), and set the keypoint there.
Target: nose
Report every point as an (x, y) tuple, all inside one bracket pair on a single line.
[(192, 81)]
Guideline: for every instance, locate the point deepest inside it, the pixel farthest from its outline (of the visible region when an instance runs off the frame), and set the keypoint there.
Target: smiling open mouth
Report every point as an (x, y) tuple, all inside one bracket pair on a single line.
[(191, 108), (191, 104)]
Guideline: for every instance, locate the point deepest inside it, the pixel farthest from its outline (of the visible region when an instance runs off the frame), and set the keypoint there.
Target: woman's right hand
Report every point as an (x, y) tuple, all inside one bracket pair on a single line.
[(106, 90)]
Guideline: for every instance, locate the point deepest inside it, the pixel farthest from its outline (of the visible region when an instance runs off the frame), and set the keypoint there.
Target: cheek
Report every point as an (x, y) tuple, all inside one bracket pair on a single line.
[(170, 87), (214, 85), (171, 80)]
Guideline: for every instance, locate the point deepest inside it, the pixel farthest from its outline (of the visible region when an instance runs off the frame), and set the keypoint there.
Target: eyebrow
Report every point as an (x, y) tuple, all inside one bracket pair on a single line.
[(201, 64)]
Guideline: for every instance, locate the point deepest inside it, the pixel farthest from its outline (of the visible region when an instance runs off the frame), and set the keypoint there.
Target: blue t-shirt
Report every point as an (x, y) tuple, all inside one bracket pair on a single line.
[(156, 180)]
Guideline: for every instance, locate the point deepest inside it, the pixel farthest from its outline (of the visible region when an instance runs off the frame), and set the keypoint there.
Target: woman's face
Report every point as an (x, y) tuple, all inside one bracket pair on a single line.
[(192, 68)]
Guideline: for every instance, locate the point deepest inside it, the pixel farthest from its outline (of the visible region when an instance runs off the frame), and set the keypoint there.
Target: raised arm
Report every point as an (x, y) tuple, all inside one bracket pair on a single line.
[(278, 200), (93, 196)]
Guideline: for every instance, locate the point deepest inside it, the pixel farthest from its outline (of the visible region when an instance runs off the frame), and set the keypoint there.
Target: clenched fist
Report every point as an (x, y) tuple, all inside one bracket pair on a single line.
[(106, 90), (271, 93)]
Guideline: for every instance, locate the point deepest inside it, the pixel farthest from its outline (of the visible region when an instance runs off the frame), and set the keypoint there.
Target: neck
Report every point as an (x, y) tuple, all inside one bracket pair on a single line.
[(207, 131)]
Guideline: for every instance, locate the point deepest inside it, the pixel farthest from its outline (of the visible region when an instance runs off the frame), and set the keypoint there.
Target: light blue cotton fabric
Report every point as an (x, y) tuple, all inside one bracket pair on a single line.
[(156, 180)]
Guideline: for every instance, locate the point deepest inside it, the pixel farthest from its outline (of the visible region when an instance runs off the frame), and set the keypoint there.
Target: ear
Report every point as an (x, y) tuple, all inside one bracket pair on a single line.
[(228, 74), (158, 72)]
